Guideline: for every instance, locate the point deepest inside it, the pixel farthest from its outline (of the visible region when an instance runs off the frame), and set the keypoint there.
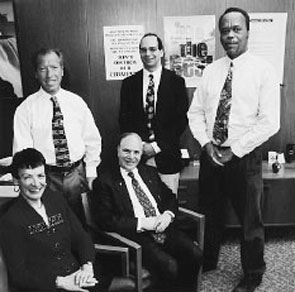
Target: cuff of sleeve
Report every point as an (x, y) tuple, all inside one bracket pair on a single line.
[(204, 141), (91, 171), (139, 225), (155, 146), (237, 150), (171, 214)]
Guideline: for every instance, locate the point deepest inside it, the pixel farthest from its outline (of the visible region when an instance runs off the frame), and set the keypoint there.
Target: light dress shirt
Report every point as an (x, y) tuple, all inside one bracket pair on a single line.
[(137, 207), (255, 108), (146, 79), (33, 128)]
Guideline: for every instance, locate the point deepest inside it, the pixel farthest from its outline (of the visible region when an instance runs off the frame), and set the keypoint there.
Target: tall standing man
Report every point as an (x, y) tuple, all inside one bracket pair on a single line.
[(59, 124), (234, 111), (154, 104)]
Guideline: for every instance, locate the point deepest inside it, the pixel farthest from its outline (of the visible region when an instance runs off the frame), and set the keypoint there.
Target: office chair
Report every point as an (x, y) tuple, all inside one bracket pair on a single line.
[(140, 275), (118, 284)]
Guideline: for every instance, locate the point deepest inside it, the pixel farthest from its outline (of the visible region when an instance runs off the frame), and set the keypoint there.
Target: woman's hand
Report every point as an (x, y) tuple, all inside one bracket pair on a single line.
[(75, 281), (85, 276)]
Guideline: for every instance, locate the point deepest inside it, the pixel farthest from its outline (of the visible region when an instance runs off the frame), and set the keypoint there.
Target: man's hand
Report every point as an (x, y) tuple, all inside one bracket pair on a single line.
[(213, 154), (218, 157), (148, 223), (226, 155), (148, 150), (162, 222)]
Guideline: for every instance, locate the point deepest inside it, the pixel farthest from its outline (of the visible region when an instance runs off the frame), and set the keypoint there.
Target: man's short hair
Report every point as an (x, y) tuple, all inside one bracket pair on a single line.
[(26, 158), (126, 134), (160, 43), (235, 9), (45, 51)]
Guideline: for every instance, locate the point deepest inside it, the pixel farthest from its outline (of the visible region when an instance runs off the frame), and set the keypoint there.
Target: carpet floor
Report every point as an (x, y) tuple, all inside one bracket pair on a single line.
[(280, 264)]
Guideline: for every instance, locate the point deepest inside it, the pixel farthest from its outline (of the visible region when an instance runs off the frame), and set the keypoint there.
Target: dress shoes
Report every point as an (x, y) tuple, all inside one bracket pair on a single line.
[(248, 284)]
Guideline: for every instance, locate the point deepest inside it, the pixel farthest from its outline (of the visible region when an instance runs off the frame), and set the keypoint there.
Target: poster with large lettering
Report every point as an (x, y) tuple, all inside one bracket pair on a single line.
[(189, 45), (122, 57)]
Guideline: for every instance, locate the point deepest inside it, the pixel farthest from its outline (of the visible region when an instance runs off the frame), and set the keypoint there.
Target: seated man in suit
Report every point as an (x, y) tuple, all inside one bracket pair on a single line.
[(133, 201)]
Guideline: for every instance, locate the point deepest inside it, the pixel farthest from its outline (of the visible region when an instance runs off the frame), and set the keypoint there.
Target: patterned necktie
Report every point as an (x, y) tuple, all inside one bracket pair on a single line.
[(148, 208), (220, 130), (150, 106), (59, 137)]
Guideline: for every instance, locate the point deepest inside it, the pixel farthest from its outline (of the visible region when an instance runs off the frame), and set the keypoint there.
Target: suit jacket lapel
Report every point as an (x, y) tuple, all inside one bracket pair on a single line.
[(138, 91), (162, 89), (122, 192), (150, 183)]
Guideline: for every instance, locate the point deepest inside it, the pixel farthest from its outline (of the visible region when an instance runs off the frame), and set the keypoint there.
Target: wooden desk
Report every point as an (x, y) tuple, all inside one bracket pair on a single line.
[(278, 201)]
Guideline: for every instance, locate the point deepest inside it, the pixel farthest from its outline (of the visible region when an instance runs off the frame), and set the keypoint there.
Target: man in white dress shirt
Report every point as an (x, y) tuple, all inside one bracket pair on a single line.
[(230, 167), (33, 128)]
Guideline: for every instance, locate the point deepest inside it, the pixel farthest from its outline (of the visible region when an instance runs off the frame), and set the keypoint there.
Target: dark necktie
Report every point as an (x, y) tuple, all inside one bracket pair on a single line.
[(148, 208), (150, 106), (59, 137), (220, 130)]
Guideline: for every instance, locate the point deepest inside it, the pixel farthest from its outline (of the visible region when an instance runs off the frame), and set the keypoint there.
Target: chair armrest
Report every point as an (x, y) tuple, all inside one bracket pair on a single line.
[(200, 220), (116, 250), (136, 252)]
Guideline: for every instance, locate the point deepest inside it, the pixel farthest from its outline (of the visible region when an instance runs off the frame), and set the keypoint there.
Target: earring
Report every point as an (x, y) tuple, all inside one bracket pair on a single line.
[(16, 188)]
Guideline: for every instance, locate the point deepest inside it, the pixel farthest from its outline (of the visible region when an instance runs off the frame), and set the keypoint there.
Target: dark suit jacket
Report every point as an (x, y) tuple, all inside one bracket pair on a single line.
[(169, 122), (34, 253), (111, 206)]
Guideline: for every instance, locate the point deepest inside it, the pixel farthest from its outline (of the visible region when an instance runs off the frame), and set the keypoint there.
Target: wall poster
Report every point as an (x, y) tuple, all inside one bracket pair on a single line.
[(10, 77), (189, 45), (122, 57)]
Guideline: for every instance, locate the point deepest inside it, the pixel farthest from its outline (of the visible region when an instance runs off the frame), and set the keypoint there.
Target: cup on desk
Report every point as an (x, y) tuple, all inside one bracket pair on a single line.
[(276, 166)]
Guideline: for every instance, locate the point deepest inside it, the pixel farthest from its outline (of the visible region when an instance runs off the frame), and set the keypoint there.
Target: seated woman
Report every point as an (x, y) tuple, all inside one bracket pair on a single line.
[(44, 245)]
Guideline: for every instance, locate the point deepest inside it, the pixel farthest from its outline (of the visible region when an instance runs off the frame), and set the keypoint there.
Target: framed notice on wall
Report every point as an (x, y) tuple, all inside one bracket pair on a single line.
[(267, 38), (122, 57)]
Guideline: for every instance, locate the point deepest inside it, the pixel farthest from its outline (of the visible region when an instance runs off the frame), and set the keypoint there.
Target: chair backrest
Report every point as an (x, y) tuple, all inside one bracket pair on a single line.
[(3, 274), (3, 270)]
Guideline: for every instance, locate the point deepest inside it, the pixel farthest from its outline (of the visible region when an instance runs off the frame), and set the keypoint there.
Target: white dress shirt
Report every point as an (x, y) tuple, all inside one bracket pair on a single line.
[(33, 128), (255, 108), (137, 207)]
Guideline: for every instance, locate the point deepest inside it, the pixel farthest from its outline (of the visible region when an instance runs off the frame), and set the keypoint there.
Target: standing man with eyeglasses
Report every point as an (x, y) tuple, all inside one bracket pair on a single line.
[(154, 104), (60, 125), (236, 108)]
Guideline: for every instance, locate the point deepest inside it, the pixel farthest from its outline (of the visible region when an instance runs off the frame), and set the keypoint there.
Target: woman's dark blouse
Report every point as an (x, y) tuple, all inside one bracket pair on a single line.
[(36, 254)]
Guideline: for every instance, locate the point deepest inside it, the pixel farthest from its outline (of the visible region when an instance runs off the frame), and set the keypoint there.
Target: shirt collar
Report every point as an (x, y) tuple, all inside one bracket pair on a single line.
[(239, 60), (48, 95), (125, 172), (157, 73)]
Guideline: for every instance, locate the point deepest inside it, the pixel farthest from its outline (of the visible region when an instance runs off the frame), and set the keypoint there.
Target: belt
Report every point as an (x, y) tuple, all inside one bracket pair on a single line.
[(55, 168)]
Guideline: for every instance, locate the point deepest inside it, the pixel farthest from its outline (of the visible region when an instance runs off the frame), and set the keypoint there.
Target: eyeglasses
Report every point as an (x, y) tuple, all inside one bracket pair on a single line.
[(145, 50)]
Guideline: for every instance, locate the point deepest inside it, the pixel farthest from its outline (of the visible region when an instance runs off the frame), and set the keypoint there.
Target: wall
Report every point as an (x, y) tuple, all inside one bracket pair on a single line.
[(76, 26)]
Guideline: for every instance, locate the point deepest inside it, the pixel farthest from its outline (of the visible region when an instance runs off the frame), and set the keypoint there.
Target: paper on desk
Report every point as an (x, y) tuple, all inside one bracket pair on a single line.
[(6, 161), (281, 158), (184, 154)]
